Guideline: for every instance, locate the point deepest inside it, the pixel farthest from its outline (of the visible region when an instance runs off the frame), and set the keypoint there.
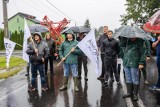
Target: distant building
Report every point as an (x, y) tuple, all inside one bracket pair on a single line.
[(16, 22)]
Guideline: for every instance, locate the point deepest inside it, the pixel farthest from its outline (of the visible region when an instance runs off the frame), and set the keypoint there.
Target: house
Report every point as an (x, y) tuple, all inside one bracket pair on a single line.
[(16, 22)]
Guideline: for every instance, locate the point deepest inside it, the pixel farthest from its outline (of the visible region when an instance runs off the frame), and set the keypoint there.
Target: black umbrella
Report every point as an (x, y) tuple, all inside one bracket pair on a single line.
[(77, 29), (131, 32), (38, 28)]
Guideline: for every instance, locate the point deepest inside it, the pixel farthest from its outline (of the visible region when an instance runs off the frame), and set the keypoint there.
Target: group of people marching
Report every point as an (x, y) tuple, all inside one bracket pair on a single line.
[(133, 51), (41, 51)]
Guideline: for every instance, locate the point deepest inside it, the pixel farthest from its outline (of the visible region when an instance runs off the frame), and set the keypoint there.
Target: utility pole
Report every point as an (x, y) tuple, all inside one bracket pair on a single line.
[(5, 18)]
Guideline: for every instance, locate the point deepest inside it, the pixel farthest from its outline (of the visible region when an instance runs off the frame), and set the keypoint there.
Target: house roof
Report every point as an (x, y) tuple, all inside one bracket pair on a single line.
[(27, 16)]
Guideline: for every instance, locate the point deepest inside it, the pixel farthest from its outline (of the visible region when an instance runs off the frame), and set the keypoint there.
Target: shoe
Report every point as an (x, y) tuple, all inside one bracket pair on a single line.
[(153, 88), (86, 79), (112, 79), (146, 82), (27, 74), (31, 89), (100, 77), (119, 84), (79, 77), (105, 83), (44, 88)]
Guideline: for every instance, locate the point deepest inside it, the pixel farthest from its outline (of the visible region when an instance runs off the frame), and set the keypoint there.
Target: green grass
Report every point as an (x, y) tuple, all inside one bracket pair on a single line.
[(7, 74), (14, 62)]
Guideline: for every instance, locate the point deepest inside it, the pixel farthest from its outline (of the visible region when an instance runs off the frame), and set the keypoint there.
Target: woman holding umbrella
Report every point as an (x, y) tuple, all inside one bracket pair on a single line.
[(133, 60)]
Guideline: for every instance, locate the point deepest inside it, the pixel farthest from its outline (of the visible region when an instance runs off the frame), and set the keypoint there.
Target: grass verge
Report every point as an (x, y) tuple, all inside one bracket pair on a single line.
[(7, 74), (16, 64)]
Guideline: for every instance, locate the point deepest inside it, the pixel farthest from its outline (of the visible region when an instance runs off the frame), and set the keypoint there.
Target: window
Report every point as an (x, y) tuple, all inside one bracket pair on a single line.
[(19, 28), (17, 20)]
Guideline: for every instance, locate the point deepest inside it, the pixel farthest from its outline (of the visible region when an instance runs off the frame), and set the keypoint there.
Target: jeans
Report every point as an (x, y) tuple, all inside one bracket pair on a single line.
[(40, 68), (158, 66), (68, 67), (132, 75)]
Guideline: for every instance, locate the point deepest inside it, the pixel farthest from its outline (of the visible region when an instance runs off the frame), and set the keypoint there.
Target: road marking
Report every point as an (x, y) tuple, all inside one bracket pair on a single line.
[(140, 102), (128, 100)]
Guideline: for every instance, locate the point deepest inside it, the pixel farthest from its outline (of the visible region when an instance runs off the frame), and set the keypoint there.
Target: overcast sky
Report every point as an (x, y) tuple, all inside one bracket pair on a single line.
[(99, 12)]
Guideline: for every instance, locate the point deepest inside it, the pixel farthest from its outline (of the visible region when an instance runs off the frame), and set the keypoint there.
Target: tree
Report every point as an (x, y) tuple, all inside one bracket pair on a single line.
[(139, 10), (87, 24)]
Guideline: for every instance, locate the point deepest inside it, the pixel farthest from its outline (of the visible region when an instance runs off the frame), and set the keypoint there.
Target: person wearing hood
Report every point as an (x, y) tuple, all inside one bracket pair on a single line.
[(111, 49), (52, 52), (133, 56), (69, 45), (38, 52)]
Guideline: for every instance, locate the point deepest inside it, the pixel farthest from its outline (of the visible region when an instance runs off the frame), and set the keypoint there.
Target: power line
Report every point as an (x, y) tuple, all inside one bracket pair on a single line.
[(40, 11), (43, 7), (15, 6), (60, 10), (49, 8), (64, 13)]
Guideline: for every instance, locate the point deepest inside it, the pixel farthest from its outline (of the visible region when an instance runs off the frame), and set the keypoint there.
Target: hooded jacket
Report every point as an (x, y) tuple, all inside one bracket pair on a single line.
[(42, 47), (134, 52), (65, 48)]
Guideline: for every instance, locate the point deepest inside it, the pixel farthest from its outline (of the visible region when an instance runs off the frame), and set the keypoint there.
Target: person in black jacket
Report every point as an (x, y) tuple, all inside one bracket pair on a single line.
[(38, 52), (111, 49), (99, 44), (82, 59), (52, 53)]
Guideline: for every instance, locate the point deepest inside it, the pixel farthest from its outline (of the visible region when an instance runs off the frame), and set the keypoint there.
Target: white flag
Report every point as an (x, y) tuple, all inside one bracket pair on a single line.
[(27, 34), (9, 46), (89, 47)]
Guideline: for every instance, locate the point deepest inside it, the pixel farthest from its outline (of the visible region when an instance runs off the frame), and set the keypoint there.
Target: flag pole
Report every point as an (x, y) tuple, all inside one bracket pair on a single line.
[(65, 57), (33, 44), (19, 45)]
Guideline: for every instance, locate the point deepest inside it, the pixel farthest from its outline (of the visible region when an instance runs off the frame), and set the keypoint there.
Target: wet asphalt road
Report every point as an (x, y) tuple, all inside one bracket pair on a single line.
[(14, 92)]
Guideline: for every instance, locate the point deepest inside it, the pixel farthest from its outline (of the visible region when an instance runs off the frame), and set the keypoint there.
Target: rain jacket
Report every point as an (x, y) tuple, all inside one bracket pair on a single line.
[(111, 48), (65, 48), (148, 48), (134, 52), (43, 50)]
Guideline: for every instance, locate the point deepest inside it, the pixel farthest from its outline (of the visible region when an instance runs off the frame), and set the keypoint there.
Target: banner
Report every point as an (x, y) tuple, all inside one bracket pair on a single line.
[(27, 34), (9, 46), (89, 47)]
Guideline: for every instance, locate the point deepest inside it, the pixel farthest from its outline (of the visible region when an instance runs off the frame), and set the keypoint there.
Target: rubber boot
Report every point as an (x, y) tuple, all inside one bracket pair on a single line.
[(65, 82), (135, 92), (75, 84), (129, 90)]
